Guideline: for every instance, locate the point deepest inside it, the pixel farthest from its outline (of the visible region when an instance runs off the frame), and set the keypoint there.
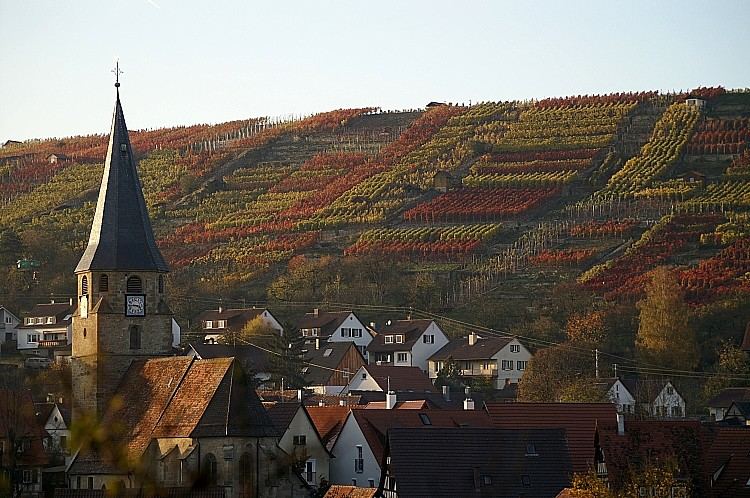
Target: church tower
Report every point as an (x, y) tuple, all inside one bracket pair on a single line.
[(122, 314)]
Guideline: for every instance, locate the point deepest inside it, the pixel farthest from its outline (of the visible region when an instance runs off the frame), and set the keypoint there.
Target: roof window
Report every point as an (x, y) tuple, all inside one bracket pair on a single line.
[(327, 353), (425, 419)]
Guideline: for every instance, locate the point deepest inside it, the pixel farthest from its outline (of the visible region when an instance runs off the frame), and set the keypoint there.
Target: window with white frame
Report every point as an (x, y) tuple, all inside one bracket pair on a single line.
[(428, 339), (359, 462), (40, 320), (310, 471), (388, 339), (29, 321), (8, 319), (507, 364), (209, 324), (356, 333), (32, 338), (486, 365), (521, 365), (50, 319), (399, 339), (515, 348), (402, 357), (300, 440), (222, 324)]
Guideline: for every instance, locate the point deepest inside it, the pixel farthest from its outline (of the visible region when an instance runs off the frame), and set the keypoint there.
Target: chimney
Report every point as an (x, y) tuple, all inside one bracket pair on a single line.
[(372, 325), (408, 316), (50, 398), (321, 403), (620, 424), (446, 393), (342, 402), (390, 400), (316, 311), (221, 310), (472, 339), (468, 402), (299, 395), (388, 323), (317, 343)]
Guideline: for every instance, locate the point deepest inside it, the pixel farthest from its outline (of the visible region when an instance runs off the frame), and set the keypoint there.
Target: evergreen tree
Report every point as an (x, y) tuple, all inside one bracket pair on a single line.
[(665, 337)]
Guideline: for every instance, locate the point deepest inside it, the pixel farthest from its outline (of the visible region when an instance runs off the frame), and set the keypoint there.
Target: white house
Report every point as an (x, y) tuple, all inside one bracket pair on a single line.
[(384, 378), (656, 397), (8, 324), (359, 447), (300, 439), (45, 328), (56, 419), (216, 323), (408, 343), (619, 394), (719, 404), (334, 326), (503, 359)]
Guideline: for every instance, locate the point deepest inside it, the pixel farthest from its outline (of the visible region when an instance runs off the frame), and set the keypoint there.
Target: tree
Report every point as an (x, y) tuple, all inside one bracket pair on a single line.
[(665, 337), (589, 329), (11, 248), (551, 371), (449, 375), (304, 280), (256, 331), (731, 368)]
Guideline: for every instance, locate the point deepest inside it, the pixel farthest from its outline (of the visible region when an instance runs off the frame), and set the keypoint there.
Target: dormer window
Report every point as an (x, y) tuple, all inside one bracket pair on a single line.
[(399, 339), (222, 324), (389, 339), (50, 319), (209, 324)]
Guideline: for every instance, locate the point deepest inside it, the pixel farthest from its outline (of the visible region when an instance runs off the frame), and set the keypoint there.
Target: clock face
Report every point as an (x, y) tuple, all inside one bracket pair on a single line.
[(135, 305)]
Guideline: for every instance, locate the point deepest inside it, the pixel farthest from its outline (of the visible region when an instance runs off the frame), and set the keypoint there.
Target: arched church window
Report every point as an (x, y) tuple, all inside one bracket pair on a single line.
[(104, 283), (135, 337), (247, 486), (161, 284), (84, 285), (210, 469), (134, 285)]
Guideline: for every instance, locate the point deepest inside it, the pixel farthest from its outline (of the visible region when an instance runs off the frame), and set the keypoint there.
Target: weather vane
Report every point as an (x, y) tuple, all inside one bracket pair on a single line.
[(117, 73)]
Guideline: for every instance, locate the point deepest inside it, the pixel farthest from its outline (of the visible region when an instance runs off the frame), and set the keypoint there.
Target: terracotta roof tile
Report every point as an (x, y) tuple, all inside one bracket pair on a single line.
[(728, 460), (328, 421), (400, 378), (337, 491), (281, 414), (580, 421), (376, 423)]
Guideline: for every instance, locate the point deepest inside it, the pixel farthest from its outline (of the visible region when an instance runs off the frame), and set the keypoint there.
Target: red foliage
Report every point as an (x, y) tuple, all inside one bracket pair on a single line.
[(580, 100), (562, 257), (438, 250), (603, 228), (479, 204)]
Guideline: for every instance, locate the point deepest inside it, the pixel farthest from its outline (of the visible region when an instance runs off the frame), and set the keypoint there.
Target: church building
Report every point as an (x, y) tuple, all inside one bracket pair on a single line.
[(150, 420)]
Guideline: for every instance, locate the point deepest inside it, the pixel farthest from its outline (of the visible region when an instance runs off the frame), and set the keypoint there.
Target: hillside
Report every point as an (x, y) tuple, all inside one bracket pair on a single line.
[(482, 212)]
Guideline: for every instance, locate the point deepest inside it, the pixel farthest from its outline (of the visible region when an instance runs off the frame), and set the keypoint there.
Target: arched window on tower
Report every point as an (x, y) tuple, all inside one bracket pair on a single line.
[(104, 283), (134, 285), (210, 470), (135, 337), (84, 285), (161, 284)]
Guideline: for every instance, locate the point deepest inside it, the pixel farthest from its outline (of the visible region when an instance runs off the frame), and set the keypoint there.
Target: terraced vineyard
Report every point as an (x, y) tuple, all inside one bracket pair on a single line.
[(596, 188)]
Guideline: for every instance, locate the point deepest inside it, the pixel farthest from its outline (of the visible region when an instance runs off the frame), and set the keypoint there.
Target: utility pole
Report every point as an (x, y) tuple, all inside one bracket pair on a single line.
[(596, 362), (615, 367)]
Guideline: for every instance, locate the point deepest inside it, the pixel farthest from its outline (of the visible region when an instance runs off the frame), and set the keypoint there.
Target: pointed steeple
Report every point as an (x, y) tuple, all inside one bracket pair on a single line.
[(121, 235)]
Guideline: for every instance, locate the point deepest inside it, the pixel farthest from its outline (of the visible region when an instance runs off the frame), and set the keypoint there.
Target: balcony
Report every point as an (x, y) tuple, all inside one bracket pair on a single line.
[(52, 343), (477, 371)]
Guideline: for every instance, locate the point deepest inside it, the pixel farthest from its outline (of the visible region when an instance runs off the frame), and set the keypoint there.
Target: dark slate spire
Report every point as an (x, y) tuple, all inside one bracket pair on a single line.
[(121, 235)]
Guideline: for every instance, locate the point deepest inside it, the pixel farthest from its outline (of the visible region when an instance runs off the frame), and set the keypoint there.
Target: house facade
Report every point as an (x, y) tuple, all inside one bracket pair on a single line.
[(216, 323), (407, 343), (386, 378), (501, 359), (319, 327), (656, 398), (8, 325), (619, 394), (300, 440), (47, 327)]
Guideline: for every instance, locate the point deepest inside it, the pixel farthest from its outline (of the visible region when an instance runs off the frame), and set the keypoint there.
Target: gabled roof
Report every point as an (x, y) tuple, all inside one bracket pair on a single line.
[(741, 406), (326, 321), (181, 397), (328, 421), (6, 310), (329, 356), (121, 235), (375, 424), (60, 311), (282, 414), (649, 442), (728, 461), (17, 412), (481, 462), (728, 396), (400, 378), (580, 421), (645, 390), (410, 329), (236, 317), (250, 357), (460, 350), (746, 339)]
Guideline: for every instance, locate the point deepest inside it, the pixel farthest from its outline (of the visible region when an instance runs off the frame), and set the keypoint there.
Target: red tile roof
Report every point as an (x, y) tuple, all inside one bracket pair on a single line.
[(337, 491), (374, 423), (728, 461), (328, 421), (580, 421), (400, 378)]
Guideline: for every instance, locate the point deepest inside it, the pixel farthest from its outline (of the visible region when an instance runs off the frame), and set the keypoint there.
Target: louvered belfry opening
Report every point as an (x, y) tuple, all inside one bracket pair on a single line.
[(134, 285)]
